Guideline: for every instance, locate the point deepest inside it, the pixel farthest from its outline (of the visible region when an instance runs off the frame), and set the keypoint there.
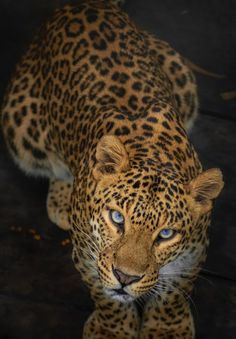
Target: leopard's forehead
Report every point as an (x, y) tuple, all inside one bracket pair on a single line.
[(136, 182), (152, 196)]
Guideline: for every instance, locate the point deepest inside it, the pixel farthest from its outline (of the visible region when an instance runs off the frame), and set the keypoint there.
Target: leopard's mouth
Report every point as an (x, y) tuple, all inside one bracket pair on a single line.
[(120, 291), (119, 294)]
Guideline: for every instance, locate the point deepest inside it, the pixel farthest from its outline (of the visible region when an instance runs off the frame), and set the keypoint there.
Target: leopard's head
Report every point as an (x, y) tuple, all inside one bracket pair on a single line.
[(143, 218)]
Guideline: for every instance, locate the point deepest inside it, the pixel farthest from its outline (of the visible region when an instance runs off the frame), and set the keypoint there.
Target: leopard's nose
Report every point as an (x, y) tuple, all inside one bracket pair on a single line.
[(125, 279)]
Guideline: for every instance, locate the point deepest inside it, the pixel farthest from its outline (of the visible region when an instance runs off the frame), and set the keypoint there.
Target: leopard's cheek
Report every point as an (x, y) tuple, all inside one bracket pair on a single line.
[(104, 265)]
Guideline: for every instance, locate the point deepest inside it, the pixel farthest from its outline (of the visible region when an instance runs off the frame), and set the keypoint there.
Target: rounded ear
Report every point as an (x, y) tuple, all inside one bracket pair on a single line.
[(111, 157), (204, 188)]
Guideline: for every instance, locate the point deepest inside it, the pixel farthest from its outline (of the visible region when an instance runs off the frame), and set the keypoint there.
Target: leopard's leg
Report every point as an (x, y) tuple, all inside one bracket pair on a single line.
[(58, 202), (168, 318), (112, 319), (182, 80), (32, 156), (26, 142)]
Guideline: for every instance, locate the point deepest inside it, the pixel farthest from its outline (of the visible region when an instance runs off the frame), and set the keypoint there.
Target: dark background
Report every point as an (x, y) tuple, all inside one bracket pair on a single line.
[(41, 294)]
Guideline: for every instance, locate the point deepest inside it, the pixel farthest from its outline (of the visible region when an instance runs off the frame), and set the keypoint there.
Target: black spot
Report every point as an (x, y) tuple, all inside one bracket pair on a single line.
[(74, 28), (175, 67), (61, 22), (10, 133), (122, 131), (106, 100), (33, 107), (178, 100), (161, 59), (35, 89), (21, 98), (17, 119), (181, 80), (117, 90), (144, 66), (119, 117), (109, 126), (64, 73), (136, 184), (115, 20), (178, 139), (152, 119), (26, 144), (98, 42), (91, 15), (108, 62), (147, 127), (67, 47), (5, 118), (147, 99), (120, 77), (166, 125), (156, 109), (96, 89), (115, 57), (133, 102), (47, 89), (106, 29), (87, 81), (137, 86), (37, 153), (77, 9), (80, 51)]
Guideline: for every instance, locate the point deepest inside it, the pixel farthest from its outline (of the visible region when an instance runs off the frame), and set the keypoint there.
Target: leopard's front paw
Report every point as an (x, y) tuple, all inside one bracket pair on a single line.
[(58, 203), (155, 334)]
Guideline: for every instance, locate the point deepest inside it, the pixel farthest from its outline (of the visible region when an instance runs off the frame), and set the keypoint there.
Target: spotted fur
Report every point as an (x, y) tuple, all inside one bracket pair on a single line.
[(101, 108)]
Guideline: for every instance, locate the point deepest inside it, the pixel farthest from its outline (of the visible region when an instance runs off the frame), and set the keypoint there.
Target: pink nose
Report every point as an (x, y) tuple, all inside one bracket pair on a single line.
[(124, 278)]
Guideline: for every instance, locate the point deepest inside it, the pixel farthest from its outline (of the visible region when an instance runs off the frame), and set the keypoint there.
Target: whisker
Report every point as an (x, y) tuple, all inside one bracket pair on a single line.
[(185, 275), (93, 245)]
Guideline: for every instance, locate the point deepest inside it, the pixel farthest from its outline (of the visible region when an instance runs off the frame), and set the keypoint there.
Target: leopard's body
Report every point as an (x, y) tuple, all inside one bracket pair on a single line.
[(101, 108)]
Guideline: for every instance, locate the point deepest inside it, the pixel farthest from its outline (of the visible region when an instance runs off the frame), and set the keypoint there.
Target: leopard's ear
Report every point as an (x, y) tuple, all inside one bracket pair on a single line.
[(111, 157), (204, 188)]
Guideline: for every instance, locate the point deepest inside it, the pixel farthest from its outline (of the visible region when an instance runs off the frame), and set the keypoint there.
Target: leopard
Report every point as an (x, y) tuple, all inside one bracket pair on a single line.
[(103, 109)]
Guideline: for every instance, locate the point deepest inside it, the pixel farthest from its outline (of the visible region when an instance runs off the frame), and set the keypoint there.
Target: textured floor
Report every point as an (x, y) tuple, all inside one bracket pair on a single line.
[(41, 295)]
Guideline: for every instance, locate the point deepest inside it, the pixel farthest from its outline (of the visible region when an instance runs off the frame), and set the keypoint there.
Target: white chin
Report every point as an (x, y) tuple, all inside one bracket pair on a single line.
[(118, 297), (122, 298)]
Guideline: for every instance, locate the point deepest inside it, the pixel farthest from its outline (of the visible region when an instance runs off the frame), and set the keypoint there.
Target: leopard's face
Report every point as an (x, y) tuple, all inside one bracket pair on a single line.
[(140, 218), (141, 221)]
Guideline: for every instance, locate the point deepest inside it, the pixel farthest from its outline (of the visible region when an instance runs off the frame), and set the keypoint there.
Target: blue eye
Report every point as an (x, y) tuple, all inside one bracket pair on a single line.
[(166, 233), (116, 217)]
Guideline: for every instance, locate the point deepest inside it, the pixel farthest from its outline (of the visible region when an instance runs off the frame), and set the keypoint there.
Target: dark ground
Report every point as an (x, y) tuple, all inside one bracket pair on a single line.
[(41, 295)]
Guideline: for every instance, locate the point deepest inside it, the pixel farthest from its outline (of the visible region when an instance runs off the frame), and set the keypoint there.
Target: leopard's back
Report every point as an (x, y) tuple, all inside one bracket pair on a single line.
[(87, 60)]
